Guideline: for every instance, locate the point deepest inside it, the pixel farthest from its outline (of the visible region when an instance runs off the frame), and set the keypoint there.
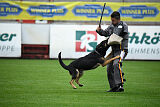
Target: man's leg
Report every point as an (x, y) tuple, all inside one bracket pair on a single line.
[(123, 55), (110, 74), (117, 72)]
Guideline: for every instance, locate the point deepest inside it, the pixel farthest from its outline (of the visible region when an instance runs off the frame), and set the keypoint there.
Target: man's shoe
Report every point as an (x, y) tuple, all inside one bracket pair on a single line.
[(119, 89), (111, 90)]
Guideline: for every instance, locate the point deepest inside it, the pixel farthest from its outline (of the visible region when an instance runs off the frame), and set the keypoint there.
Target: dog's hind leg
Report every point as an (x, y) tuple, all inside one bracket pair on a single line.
[(71, 82), (78, 77), (75, 74), (77, 81)]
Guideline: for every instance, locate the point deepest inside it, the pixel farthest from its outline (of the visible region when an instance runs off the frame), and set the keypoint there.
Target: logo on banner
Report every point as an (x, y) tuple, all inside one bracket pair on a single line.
[(138, 11), (7, 37), (91, 11), (7, 9), (47, 10), (145, 38), (86, 41)]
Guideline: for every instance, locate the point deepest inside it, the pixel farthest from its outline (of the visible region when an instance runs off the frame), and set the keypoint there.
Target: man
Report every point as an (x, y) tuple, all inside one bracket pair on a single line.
[(114, 69)]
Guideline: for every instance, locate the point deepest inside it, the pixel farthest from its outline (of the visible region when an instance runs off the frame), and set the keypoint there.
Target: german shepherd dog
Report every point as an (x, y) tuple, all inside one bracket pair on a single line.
[(88, 62)]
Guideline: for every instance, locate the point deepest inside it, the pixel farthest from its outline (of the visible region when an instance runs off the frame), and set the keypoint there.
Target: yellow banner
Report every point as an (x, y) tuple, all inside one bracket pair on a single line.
[(78, 11)]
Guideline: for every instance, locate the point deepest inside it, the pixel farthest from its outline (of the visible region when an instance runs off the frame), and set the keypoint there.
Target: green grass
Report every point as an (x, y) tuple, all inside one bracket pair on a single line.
[(43, 83)]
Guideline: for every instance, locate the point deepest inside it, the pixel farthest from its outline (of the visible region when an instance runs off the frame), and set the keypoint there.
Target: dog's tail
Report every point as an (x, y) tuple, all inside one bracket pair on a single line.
[(61, 62)]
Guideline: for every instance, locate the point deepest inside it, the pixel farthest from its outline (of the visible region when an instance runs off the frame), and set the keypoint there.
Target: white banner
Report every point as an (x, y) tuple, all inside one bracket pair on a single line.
[(10, 40), (75, 41), (144, 42), (35, 34)]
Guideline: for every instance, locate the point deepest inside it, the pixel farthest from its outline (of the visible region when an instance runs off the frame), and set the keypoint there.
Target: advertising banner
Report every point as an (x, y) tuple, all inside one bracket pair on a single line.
[(144, 42), (10, 40), (75, 41), (79, 11)]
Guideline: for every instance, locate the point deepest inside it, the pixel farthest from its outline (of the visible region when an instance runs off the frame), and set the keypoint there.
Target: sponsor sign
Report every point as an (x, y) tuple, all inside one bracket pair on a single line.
[(78, 11), (7, 9), (47, 10), (144, 42), (79, 40), (86, 41), (73, 41), (91, 11), (10, 40), (138, 11)]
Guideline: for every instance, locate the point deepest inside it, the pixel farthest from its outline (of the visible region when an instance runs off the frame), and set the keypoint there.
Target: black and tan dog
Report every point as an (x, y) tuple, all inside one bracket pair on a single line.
[(88, 62)]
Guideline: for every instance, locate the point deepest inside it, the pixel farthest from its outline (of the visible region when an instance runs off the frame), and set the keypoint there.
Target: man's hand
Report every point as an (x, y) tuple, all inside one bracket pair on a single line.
[(98, 28)]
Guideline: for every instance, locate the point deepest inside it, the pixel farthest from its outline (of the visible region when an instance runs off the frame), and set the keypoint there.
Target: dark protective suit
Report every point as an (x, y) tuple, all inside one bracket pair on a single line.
[(114, 69)]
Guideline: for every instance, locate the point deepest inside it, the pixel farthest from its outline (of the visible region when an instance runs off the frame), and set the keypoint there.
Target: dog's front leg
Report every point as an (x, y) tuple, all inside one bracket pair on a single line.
[(108, 56), (109, 60), (71, 82)]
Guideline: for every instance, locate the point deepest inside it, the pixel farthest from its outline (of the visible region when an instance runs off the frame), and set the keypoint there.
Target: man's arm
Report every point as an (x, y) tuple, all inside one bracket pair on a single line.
[(125, 42), (124, 54), (102, 32)]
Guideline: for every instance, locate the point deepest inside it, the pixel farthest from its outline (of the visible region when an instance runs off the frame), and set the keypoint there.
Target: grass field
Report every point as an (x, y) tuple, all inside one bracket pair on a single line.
[(43, 83)]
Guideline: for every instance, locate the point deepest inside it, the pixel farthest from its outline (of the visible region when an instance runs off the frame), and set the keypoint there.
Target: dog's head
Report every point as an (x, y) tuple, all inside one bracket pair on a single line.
[(102, 47)]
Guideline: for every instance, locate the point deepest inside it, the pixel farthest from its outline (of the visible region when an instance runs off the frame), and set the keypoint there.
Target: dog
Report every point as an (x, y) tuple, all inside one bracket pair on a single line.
[(88, 62)]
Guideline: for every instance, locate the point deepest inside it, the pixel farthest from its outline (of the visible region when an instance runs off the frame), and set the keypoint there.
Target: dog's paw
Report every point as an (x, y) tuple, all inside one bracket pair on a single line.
[(80, 85)]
